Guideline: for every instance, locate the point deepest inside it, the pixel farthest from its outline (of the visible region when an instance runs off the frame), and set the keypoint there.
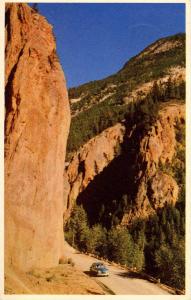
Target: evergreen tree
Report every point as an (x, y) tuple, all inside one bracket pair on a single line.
[(169, 89), (182, 90), (78, 228), (162, 91), (120, 246), (155, 93), (101, 212), (97, 240), (170, 264)]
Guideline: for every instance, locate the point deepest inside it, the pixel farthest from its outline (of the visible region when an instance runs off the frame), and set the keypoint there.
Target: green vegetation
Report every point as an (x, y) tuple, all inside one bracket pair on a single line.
[(115, 244), (93, 121), (164, 248), (138, 70), (170, 263), (155, 245), (176, 168), (95, 114)]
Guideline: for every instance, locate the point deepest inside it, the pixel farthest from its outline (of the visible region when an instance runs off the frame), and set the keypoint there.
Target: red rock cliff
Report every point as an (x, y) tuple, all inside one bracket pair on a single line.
[(36, 129)]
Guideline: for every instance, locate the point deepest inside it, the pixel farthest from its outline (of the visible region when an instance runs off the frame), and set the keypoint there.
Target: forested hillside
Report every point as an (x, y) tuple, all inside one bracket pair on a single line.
[(130, 207), (100, 104)]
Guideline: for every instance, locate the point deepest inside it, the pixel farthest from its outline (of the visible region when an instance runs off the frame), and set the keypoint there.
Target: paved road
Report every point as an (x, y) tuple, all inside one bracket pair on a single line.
[(119, 280)]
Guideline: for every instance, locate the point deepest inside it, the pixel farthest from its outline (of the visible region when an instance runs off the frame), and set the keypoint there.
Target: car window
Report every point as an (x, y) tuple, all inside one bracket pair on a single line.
[(98, 265), (101, 266)]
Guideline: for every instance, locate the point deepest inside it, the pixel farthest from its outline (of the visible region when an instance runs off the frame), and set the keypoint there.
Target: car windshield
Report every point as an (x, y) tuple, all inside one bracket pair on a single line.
[(101, 266)]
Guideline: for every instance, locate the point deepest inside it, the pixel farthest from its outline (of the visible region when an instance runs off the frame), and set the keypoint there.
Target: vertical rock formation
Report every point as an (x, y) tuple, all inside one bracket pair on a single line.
[(36, 129), (90, 161), (157, 187)]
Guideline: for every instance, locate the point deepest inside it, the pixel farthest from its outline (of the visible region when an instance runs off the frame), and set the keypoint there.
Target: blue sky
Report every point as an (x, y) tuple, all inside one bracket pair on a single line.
[(96, 40)]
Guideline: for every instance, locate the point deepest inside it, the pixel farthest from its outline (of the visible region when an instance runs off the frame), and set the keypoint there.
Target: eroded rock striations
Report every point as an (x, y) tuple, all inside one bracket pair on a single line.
[(36, 130)]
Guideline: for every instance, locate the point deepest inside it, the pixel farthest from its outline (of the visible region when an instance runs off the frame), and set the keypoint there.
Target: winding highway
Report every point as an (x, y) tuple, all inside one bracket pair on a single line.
[(120, 281)]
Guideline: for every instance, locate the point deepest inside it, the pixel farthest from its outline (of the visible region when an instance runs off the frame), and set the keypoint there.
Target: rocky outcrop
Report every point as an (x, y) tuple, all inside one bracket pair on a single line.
[(160, 142), (158, 147), (36, 129), (91, 159), (140, 176)]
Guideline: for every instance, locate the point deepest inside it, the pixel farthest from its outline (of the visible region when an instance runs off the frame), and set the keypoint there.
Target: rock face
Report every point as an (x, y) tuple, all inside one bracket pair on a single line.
[(154, 188), (36, 129), (160, 142), (91, 159)]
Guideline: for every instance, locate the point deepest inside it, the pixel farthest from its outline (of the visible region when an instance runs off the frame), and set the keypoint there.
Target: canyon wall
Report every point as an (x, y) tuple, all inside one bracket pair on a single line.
[(37, 120), (124, 160), (90, 160), (156, 185)]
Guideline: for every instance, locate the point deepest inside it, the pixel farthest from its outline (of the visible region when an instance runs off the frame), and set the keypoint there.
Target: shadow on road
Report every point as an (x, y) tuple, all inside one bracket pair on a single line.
[(131, 274), (89, 273)]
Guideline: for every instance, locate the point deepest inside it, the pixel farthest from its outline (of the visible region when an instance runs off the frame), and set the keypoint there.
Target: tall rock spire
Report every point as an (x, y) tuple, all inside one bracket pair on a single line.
[(37, 122)]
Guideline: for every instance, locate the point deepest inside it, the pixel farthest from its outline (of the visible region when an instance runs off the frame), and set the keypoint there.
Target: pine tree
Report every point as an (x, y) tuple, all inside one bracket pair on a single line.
[(120, 246), (182, 90), (155, 93), (170, 264), (101, 212), (169, 89), (162, 92), (78, 226), (97, 240), (162, 237)]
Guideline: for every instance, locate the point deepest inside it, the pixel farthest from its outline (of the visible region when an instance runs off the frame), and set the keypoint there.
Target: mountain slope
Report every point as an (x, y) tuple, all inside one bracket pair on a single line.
[(152, 63), (126, 163), (101, 104)]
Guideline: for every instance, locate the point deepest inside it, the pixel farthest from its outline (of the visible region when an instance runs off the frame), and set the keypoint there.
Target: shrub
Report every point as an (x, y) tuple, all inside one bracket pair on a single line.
[(63, 260), (170, 263), (71, 262)]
